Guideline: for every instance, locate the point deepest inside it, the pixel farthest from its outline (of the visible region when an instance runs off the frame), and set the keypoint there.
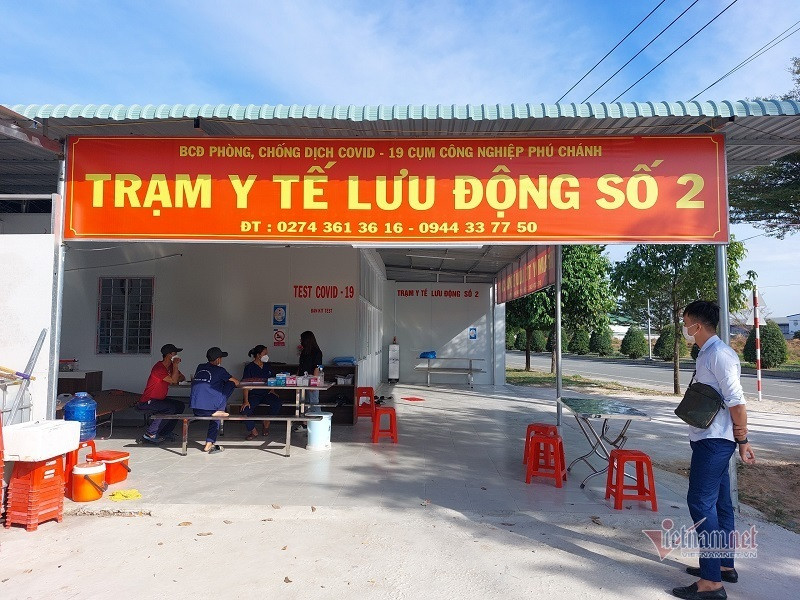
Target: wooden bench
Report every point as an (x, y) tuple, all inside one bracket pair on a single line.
[(469, 370), (287, 420)]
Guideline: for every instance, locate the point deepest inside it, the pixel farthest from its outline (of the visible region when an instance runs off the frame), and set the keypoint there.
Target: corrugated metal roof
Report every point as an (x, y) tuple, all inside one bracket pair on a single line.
[(756, 132), (397, 112)]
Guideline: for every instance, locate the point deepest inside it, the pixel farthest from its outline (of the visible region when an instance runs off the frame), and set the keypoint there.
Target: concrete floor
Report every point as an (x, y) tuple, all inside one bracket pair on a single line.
[(443, 514)]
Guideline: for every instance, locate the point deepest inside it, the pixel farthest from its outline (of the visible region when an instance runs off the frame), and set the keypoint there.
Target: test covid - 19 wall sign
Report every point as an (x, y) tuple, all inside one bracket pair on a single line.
[(379, 191)]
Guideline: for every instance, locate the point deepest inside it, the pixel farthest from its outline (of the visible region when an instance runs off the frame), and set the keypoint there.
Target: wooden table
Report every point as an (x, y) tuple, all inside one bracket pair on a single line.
[(587, 409), (108, 402)]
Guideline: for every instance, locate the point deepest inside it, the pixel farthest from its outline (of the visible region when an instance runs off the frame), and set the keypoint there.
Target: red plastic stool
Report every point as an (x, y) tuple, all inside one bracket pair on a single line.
[(615, 482), (537, 429), (546, 458), (365, 401), (72, 460), (377, 432)]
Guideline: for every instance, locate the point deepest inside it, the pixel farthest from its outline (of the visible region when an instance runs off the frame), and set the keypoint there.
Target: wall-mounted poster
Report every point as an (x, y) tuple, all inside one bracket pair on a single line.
[(278, 337), (473, 333), (279, 315)]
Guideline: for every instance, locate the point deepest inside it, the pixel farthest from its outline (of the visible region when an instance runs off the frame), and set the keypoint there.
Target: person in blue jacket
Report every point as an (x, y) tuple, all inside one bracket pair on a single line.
[(212, 385), (258, 370)]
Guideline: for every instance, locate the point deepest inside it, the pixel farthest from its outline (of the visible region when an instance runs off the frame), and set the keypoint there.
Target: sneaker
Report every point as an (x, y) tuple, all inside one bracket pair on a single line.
[(152, 439)]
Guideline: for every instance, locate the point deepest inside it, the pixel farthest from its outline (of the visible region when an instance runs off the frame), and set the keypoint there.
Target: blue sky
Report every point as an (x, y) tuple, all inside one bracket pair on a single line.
[(404, 52)]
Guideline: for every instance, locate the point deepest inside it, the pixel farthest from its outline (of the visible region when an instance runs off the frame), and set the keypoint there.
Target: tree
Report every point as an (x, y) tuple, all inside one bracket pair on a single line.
[(551, 341), (773, 346), (796, 335), (678, 274), (530, 313), (579, 344), (521, 343), (600, 341), (769, 196), (586, 297), (538, 341), (511, 336), (633, 344), (664, 347)]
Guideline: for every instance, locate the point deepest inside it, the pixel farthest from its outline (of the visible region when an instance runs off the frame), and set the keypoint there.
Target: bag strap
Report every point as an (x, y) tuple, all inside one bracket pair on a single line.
[(692, 379)]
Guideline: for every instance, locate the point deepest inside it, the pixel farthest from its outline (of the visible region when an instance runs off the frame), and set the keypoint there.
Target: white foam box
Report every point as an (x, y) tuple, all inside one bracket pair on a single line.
[(40, 440)]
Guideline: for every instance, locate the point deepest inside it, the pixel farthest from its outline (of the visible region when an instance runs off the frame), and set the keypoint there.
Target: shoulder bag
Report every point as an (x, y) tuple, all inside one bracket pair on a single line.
[(700, 404)]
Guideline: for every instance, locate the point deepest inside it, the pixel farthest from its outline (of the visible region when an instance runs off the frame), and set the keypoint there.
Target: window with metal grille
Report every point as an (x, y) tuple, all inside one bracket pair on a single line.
[(125, 315)]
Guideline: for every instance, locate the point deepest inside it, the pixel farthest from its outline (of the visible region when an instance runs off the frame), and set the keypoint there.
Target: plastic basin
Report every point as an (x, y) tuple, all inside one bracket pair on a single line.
[(40, 440)]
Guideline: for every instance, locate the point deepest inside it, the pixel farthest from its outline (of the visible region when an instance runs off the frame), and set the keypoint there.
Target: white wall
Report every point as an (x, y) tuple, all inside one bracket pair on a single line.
[(25, 309), (212, 295), (438, 317)]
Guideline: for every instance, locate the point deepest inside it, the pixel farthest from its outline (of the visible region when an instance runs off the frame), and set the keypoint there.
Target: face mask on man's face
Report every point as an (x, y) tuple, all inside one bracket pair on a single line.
[(686, 336)]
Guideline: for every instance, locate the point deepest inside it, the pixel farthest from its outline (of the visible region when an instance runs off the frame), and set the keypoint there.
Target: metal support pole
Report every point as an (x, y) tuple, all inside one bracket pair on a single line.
[(57, 227), (557, 340), (725, 335)]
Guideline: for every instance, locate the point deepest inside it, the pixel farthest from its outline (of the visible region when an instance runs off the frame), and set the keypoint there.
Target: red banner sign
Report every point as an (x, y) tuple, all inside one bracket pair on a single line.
[(534, 271), (376, 191)]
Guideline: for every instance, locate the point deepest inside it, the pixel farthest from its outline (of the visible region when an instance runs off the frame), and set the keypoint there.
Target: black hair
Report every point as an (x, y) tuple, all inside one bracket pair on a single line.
[(257, 350), (704, 311), (309, 342)]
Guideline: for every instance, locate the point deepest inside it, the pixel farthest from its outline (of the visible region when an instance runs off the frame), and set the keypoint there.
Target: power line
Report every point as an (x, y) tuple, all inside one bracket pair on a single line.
[(676, 49), (765, 48), (642, 50), (609, 52)]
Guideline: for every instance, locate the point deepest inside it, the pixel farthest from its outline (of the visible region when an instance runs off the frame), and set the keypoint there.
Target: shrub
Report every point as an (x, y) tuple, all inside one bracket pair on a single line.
[(796, 335), (579, 344), (664, 347), (522, 340), (511, 337), (774, 351), (600, 342), (633, 344), (538, 341), (551, 341)]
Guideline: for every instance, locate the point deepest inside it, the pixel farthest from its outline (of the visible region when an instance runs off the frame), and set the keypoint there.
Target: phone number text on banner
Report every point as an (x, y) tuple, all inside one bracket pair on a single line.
[(599, 189)]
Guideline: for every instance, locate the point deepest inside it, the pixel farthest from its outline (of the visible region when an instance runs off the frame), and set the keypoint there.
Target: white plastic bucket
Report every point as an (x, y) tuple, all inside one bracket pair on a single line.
[(319, 433)]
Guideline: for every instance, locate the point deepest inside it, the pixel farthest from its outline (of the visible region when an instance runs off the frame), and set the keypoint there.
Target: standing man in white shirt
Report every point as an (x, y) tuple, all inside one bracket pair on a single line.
[(709, 496)]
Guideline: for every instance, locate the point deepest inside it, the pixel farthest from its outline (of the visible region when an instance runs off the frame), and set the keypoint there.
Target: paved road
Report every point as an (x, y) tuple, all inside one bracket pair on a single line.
[(656, 375)]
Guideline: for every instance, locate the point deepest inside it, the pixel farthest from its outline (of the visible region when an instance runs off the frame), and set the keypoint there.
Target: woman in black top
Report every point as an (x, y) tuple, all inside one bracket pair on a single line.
[(310, 361)]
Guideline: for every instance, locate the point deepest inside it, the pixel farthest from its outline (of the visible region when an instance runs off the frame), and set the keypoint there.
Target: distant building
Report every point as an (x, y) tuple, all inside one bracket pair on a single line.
[(784, 323), (793, 324)]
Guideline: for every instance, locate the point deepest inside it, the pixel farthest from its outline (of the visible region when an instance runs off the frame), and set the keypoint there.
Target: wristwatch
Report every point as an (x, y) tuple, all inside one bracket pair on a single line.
[(743, 442)]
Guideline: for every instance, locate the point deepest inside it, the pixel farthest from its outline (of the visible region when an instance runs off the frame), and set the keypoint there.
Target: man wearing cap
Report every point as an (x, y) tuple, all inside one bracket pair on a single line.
[(211, 387), (154, 398)]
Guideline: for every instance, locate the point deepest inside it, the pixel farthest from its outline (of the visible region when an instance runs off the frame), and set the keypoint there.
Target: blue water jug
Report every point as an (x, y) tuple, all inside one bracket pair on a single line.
[(83, 408)]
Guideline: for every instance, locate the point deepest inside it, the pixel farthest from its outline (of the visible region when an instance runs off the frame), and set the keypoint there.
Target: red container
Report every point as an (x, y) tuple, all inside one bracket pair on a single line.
[(38, 474), (88, 482), (116, 462)]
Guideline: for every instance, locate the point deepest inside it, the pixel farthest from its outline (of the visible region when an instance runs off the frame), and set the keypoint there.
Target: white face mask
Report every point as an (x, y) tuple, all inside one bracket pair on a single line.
[(265, 358), (686, 336)]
